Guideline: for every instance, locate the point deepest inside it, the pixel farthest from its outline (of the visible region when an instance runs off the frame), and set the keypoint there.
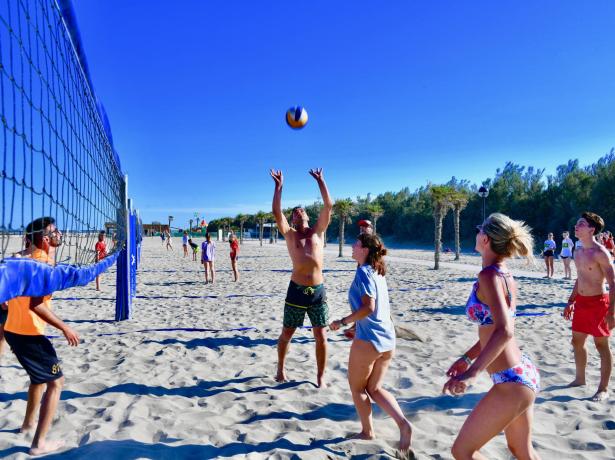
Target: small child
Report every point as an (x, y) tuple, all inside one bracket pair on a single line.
[(101, 253)]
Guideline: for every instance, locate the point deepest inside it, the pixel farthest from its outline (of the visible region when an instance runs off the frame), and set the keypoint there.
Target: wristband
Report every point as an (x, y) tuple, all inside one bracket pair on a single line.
[(467, 359), (343, 322)]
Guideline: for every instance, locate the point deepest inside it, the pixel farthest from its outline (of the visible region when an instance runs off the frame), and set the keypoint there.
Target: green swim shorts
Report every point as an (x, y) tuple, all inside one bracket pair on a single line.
[(306, 299)]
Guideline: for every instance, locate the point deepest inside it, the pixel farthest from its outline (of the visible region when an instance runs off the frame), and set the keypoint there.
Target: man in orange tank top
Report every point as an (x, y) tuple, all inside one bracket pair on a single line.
[(24, 331)]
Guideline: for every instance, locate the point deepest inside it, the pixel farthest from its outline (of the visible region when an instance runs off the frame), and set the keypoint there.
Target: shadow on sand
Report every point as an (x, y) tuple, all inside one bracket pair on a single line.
[(131, 449), (202, 389)]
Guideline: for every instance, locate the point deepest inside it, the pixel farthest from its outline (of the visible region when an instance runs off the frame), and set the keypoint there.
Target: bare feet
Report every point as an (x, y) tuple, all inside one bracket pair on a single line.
[(577, 383), (281, 377), (46, 447), (320, 383), (601, 395), (361, 436), (405, 437)]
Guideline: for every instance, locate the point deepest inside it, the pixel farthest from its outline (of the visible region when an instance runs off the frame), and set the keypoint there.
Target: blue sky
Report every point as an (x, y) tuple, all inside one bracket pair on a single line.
[(399, 93)]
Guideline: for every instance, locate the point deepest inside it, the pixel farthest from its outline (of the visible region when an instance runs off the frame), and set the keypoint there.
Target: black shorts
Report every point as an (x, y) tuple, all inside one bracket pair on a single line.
[(4, 314), (548, 253), (36, 355), (305, 299), (564, 257)]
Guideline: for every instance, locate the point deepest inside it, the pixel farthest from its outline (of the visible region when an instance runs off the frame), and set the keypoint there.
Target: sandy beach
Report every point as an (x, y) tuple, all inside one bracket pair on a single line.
[(190, 376)]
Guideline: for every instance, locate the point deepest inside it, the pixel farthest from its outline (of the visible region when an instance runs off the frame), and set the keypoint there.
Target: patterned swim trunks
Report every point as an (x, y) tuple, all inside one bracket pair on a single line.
[(306, 299)]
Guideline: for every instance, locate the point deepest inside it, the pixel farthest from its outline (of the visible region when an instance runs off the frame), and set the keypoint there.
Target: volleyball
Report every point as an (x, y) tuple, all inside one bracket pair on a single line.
[(296, 117)]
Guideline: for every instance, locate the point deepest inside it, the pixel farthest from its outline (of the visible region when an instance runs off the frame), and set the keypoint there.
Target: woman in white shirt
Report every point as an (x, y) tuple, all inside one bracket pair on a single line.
[(566, 254), (548, 253)]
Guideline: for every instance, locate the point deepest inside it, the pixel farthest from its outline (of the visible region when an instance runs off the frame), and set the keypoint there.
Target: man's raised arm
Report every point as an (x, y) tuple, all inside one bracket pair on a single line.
[(276, 206), (325, 213)]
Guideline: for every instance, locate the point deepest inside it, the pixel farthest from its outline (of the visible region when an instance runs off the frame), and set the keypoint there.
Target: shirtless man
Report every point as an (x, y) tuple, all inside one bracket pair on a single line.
[(306, 292), (591, 309)]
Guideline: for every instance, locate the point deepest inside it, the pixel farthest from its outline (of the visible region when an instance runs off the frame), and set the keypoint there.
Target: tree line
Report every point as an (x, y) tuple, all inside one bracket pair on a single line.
[(447, 214)]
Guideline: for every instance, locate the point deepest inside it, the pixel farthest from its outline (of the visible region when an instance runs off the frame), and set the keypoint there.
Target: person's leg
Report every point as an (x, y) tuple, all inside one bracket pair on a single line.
[(386, 400), (206, 273), (606, 366), (48, 409), (519, 436), (283, 345), (580, 358), (320, 335), (234, 266), (547, 265), (2, 341), (550, 260), (566, 268), (500, 406), (35, 393), (360, 364), (97, 283), (213, 271)]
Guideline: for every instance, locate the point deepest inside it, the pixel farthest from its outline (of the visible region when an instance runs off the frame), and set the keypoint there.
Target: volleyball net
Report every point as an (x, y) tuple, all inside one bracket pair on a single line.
[(58, 158)]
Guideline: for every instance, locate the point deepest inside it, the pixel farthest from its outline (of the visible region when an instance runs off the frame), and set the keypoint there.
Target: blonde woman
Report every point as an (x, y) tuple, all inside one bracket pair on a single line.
[(509, 404)]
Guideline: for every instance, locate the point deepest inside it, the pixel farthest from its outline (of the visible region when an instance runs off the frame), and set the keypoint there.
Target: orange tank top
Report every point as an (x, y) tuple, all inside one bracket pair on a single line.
[(22, 320)]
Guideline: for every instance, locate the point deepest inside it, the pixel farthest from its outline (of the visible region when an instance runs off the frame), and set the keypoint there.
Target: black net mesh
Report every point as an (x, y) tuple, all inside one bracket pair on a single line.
[(57, 159)]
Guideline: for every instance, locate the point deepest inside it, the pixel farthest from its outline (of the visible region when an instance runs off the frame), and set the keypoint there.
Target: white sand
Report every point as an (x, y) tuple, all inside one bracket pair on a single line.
[(194, 394)]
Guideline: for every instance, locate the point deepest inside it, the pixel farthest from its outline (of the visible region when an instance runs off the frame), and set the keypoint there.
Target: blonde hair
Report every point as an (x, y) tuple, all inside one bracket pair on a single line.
[(508, 237)]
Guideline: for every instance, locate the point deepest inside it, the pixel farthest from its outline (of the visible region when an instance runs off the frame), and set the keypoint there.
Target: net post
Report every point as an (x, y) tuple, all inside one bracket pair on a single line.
[(123, 299)]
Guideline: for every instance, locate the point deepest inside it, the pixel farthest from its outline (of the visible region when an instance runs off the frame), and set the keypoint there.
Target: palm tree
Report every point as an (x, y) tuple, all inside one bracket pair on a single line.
[(242, 218), (375, 211), (270, 218), (260, 217), (441, 199), (460, 201), (343, 209)]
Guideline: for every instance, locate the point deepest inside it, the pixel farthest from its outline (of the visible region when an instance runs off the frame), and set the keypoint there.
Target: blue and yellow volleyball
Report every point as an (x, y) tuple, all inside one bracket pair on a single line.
[(296, 117)]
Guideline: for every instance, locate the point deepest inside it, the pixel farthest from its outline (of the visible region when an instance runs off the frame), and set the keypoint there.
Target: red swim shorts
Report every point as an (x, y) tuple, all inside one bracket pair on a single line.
[(590, 315)]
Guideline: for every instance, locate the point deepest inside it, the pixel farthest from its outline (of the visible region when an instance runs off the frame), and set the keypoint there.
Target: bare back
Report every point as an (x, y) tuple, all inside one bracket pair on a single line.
[(590, 263), (305, 248)]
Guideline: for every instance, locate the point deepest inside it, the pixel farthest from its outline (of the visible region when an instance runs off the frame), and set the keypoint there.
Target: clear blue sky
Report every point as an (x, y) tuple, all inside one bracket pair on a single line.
[(399, 93)]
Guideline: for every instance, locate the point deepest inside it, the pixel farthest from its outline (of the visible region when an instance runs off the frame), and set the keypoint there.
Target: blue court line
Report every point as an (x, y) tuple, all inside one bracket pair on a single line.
[(167, 329)]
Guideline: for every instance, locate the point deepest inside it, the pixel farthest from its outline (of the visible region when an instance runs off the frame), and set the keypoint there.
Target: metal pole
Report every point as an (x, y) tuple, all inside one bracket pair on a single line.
[(484, 199)]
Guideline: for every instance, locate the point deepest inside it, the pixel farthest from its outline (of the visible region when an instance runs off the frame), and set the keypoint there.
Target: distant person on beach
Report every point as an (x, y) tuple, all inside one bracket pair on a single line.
[(195, 248), (609, 244), (185, 243), (509, 405), (590, 308), (373, 346), (208, 256), (365, 226), (234, 244), (566, 254), (162, 236), (24, 331), (168, 238), (548, 253), (101, 253), (306, 291)]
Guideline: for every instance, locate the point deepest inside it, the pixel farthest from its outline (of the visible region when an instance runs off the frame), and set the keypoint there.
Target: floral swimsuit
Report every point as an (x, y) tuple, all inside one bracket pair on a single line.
[(524, 373)]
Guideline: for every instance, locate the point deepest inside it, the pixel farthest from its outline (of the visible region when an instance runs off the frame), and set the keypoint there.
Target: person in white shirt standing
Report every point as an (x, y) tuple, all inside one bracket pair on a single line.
[(566, 254), (548, 253)]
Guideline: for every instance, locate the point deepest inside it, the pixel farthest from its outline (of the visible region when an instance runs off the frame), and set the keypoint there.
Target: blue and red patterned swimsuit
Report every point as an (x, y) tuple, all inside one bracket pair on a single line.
[(524, 373)]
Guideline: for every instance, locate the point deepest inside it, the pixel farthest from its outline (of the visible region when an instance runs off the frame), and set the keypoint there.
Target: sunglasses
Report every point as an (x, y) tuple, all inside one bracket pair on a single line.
[(479, 228)]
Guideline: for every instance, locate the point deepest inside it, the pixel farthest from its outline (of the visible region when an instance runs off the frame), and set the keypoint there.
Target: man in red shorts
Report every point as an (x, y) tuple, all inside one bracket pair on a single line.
[(591, 309)]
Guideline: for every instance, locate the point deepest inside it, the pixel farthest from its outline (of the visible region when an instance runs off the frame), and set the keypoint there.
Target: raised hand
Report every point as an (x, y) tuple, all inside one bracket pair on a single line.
[(277, 177), (317, 174)]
